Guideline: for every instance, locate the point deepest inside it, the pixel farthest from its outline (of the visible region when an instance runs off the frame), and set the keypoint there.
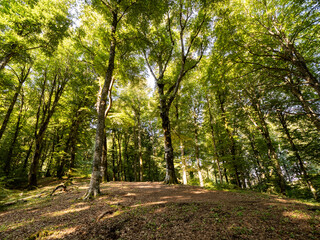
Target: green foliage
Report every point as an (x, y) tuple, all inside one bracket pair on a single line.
[(238, 80)]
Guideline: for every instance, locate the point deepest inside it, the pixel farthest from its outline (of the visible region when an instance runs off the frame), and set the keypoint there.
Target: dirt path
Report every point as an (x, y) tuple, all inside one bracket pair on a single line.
[(157, 211)]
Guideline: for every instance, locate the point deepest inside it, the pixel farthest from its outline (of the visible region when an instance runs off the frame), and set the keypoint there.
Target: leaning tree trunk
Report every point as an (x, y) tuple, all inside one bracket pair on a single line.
[(297, 154), (271, 150), (305, 105), (14, 140), (94, 186), (10, 109)]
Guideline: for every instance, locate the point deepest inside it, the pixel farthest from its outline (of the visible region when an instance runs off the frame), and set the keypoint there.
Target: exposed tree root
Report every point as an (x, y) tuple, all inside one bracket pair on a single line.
[(170, 180), (91, 193), (109, 211)]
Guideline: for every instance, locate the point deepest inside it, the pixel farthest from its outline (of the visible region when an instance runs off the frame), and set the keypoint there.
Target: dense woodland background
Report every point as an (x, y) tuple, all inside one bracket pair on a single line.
[(232, 85)]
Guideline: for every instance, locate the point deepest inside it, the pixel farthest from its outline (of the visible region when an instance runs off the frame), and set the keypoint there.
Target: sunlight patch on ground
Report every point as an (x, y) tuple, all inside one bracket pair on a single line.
[(148, 204), (131, 194), (66, 211), (297, 214), (175, 197), (61, 233), (15, 225)]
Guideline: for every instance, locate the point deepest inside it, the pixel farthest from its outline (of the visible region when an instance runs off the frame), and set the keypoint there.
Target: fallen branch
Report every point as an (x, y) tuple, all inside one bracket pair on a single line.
[(60, 186)]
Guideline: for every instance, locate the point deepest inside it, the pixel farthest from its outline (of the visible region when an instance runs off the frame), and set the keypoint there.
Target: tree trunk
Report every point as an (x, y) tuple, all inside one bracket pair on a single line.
[(22, 79), (297, 154), (120, 158), (58, 88), (168, 149), (261, 171), (184, 164), (94, 186), (214, 141), (33, 172), (25, 163), (306, 106), (271, 150), (104, 161), (6, 59), (127, 173), (231, 139), (197, 157), (113, 156), (140, 149), (7, 167)]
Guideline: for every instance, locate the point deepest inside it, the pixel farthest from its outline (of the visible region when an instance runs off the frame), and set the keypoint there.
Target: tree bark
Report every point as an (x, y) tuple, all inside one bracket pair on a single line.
[(22, 78), (305, 105), (231, 139), (104, 160), (271, 150), (6, 59), (94, 186), (168, 149), (197, 156), (113, 156), (7, 167), (119, 157), (217, 157), (47, 114), (140, 147), (184, 164), (297, 154)]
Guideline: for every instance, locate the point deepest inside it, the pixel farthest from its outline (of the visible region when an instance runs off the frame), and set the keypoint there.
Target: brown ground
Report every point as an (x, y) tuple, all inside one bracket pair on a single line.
[(157, 211)]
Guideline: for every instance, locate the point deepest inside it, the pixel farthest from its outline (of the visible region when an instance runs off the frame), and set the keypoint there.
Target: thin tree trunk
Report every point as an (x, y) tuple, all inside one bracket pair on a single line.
[(297, 154), (25, 163), (126, 156), (184, 164), (140, 149), (261, 171), (7, 167), (120, 157), (217, 157), (271, 150), (225, 175), (135, 163), (306, 106), (197, 157), (113, 156), (6, 59), (22, 78), (39, 134), (231, 139)]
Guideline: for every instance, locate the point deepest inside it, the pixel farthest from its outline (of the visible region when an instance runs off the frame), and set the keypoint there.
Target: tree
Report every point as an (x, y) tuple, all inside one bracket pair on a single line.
[(29, 25), (173, 49)]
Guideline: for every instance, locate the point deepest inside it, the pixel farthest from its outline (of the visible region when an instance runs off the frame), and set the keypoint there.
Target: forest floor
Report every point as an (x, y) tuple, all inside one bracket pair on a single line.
[(152, 210)]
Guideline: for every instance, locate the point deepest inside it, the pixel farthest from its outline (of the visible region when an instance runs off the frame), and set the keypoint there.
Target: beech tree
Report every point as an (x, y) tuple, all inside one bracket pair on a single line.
[(177, 43)]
